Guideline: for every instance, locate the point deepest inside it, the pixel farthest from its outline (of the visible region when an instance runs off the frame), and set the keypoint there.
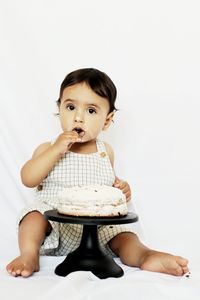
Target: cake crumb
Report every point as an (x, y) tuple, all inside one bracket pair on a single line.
[(187, 274)]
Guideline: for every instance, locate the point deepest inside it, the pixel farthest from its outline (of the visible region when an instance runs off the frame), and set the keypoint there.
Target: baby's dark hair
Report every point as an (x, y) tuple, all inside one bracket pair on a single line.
[(98, 81)]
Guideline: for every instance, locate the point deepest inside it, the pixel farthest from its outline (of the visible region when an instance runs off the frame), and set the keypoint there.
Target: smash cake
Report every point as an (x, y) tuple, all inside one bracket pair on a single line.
[(92, 201)]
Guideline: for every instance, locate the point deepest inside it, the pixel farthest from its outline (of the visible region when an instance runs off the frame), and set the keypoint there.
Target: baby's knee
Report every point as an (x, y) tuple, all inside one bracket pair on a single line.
[(35, 217), (32, 215)]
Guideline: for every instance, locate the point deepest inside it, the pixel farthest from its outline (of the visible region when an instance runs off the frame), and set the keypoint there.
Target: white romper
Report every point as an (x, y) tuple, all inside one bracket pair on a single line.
[(74, 169)]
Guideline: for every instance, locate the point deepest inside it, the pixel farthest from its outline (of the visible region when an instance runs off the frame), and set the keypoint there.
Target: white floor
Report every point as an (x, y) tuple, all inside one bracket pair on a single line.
[(135, 284)]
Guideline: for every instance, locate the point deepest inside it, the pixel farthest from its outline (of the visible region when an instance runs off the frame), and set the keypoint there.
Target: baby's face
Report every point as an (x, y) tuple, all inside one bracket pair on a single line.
[(84, 111)]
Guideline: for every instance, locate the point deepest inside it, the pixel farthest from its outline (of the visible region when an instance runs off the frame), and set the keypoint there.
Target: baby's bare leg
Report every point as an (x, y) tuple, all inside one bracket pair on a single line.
[(133, 253), (32, 231)]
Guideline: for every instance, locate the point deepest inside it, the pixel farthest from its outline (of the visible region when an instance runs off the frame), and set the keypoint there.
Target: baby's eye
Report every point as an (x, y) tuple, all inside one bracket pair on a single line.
[(92, 111), (70, 107)]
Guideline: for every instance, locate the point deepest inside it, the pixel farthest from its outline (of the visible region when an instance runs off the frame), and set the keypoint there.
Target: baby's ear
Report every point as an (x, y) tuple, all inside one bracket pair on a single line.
[(108, 121)]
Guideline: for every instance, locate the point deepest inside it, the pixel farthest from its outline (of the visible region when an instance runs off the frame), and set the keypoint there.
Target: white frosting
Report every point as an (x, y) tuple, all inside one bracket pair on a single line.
[(97, 200)]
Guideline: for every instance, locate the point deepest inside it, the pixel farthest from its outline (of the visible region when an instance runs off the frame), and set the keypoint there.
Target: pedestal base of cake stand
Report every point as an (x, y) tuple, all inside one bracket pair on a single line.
[(89, 256)]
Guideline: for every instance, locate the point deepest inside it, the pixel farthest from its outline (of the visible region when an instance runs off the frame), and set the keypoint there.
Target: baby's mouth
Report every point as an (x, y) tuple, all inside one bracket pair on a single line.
[(80, 131)]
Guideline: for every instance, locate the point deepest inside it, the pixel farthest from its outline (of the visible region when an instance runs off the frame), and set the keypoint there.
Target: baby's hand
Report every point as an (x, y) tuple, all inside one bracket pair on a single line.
[(124, 187), (65, 140)]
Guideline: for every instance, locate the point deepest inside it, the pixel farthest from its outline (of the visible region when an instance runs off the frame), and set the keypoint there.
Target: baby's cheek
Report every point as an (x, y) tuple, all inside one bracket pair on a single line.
[(92, 133)]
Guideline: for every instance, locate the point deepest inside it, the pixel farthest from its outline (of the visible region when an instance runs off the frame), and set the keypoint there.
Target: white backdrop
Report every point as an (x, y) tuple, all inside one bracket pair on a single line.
[(151, 51)]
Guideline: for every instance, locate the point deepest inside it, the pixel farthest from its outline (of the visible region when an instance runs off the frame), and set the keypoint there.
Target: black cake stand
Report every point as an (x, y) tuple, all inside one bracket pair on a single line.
[(89, 256)]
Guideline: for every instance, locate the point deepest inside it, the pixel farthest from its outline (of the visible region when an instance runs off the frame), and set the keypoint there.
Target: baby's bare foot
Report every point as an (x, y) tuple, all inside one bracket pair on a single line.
[(24, 265), (165, 263)]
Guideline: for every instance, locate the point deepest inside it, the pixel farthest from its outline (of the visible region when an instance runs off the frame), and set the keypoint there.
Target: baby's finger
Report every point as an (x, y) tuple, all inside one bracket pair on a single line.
[(116, 184), (125, 188), (70, 134), (117, 180), (73, 140), (119, 184), (123, 185), (128, 196)]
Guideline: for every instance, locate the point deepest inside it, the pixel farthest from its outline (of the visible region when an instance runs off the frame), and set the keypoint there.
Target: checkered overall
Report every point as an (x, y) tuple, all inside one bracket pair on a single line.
[(74, 169)]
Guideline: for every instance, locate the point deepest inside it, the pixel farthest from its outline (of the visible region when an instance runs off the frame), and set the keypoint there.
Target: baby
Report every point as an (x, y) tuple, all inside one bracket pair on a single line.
[(86, 107)]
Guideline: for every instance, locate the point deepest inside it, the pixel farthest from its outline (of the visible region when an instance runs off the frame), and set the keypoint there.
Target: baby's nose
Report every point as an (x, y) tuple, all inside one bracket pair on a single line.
[(78, 120)]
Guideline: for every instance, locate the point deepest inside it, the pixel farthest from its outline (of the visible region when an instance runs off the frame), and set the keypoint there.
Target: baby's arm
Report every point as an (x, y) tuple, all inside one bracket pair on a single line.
[(45, 157), (119, 183)]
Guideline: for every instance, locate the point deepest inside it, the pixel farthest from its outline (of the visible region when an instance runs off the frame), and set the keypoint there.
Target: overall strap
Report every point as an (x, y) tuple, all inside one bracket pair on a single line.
[(100, 146)]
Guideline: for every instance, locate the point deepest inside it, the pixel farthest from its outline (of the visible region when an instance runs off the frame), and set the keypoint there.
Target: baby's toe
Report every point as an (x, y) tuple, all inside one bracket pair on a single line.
[(27, 272), (16, 270), (9, 267), (182, 267), (181, 261), (178, 271), (185, 270), (11, 270)]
